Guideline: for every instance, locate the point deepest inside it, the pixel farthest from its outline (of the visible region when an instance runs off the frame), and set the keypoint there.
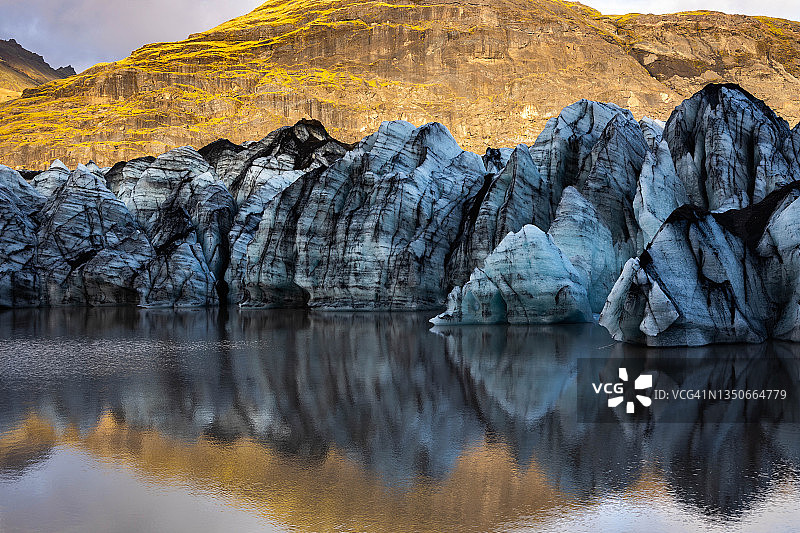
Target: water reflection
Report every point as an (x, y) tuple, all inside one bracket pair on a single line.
[(523, 382), (320, 419)]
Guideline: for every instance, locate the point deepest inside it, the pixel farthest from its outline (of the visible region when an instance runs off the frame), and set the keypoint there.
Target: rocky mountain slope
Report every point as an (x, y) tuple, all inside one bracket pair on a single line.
[(493, 72), (678, 233), (21, 69)]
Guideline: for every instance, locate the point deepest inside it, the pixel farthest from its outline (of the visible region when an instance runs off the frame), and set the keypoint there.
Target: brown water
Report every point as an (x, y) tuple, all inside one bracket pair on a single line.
[(144, 420)]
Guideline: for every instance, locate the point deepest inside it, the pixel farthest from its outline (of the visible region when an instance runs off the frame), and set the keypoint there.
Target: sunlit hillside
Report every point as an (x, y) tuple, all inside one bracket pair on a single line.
[(492, 71)]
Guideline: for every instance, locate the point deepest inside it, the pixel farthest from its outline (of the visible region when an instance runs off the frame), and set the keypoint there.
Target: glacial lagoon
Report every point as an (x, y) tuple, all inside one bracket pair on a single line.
[(120, 419)]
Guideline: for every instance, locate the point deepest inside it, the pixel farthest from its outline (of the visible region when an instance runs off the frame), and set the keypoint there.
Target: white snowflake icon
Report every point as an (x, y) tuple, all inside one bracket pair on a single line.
[(644, 381)]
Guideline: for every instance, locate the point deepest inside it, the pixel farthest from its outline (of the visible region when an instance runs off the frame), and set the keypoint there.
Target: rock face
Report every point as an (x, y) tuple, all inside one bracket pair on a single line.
[(21, 69), (492, 71)]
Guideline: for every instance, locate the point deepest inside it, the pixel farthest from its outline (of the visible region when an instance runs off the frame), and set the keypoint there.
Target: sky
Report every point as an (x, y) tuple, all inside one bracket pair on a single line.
[(85, 32)]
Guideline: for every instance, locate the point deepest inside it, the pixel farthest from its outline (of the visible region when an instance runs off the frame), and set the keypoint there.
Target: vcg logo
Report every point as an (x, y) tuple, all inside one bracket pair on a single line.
[(616, 390)]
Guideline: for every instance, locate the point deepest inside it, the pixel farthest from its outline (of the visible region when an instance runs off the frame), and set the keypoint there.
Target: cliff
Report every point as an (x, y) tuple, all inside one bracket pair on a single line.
[(492, 72)]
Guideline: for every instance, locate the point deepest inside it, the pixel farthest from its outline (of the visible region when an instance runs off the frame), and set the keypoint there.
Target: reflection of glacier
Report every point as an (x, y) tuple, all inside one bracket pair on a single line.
[(388, 393), (374, 386), (523, 382)]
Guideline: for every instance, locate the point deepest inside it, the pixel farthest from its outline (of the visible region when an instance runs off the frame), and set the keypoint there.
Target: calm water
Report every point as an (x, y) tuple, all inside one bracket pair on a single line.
[(134, 420)]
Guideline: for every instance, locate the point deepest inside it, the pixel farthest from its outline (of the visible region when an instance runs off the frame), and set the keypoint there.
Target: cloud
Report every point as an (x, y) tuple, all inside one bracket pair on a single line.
[(85, 32)]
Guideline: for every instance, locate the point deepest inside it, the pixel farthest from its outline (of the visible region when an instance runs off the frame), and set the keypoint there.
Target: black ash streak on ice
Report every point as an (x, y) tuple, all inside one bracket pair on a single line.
[(679, 235)]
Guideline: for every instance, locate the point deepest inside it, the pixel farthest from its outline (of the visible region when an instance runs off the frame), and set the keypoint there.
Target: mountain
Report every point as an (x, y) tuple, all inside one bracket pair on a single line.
[(493, 72), (21, 69)]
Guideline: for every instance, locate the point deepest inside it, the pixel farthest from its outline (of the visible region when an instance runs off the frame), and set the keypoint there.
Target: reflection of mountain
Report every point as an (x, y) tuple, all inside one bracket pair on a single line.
[(483, 490), (24, 446), (368, 397)]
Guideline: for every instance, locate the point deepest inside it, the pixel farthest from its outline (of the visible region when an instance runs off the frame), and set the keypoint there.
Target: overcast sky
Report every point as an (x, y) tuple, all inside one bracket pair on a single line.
[(85, 32)]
